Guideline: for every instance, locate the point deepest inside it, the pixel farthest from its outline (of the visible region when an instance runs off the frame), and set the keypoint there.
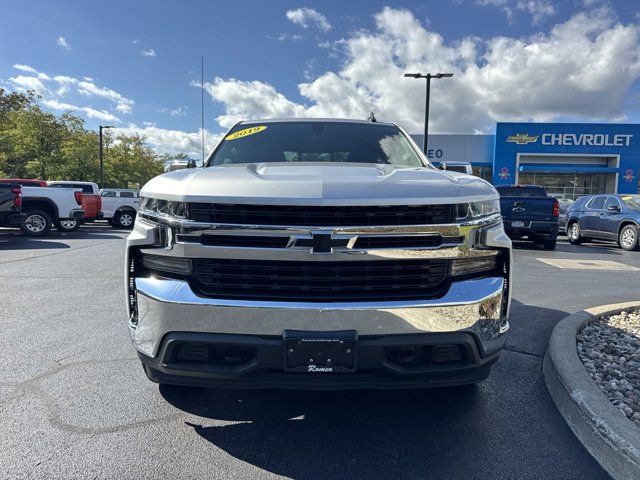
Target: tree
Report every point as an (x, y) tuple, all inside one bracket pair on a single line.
[(38, 144), (130, 162)]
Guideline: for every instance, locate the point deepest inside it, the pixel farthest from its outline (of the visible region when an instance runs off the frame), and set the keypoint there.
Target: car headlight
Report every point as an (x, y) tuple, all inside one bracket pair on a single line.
[(474, 210), (163, 208)]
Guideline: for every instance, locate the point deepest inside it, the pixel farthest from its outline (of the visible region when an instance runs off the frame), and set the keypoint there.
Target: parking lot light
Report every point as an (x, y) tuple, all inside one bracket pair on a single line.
[(428, 77), (102, 127)]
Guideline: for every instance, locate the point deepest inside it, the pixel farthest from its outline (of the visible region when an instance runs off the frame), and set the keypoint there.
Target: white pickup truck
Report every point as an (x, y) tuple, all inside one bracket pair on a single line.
[(119, 206), (319, 254), (44, 206)]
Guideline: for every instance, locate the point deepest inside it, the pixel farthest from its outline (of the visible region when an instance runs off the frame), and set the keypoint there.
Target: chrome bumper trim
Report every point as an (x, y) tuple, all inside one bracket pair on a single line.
[(466, 292), (171, 306)]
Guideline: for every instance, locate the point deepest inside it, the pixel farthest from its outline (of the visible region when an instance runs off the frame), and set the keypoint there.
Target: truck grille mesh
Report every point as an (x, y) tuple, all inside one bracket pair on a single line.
[(315, 216), (319, 281)]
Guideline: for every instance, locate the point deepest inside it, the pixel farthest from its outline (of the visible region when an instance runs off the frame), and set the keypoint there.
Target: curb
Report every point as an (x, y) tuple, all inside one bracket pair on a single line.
[(602, 429)]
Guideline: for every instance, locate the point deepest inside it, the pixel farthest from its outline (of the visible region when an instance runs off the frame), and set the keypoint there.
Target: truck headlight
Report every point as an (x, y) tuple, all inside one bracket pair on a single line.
[(163, 208), (474, 210)]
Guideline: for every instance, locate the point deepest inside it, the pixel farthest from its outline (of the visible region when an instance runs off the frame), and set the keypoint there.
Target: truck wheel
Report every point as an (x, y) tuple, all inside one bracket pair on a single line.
[(628, 238), (124, 219), (573, 233), (37, 223), (67, 225), (549, 244)]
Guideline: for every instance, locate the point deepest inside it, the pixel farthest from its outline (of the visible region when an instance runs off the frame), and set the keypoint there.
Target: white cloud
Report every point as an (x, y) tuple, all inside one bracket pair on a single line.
[(25, 68), (123, 104), (24, 83), (148, 53), (283, 37), (56, 87), (62, 42), (582, 68), (88, 111), (539, 10), (258, 98), (173, 141), (175, 112), (306, 17)]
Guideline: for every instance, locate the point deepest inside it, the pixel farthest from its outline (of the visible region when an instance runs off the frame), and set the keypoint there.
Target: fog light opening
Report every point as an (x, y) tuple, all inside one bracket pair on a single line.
[(447, 354)]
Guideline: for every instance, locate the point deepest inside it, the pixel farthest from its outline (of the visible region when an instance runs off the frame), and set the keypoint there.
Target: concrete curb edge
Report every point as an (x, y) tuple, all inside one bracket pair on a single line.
[(602, 429)]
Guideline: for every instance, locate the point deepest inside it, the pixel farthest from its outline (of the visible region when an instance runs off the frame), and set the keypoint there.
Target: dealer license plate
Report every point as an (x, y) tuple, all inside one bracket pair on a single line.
[(320, 352)]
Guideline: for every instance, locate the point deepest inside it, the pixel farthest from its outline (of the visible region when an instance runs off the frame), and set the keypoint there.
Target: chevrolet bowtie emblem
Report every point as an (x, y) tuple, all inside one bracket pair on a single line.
[(322, 242), (521, 139)]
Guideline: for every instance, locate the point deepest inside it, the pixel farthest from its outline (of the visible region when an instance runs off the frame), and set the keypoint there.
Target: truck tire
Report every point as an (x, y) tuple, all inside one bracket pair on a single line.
[(573, 233), (67, 225), (124, 219), (628, 238), (549, 244), (37, 223)]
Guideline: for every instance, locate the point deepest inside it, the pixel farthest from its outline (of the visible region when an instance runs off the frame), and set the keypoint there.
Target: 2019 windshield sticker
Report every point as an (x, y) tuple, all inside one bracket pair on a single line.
[(245, 132)]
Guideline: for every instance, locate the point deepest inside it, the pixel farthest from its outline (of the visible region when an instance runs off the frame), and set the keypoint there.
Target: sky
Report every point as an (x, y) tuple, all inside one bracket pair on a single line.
[(136, 64)]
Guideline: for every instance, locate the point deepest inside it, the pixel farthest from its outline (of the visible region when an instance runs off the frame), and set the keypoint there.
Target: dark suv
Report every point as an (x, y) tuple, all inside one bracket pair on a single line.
[(605, 217)]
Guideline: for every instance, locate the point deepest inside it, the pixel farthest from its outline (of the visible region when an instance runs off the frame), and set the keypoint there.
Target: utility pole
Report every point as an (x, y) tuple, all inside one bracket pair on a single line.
[(428, 77), (100, 128)]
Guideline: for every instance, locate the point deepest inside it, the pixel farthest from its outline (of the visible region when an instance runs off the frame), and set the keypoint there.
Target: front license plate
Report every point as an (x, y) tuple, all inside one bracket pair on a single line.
[(517, 224), (320, 352)]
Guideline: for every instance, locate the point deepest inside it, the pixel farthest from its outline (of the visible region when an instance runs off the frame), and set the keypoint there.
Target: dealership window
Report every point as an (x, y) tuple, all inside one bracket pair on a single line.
[(485, 173), (570, 185)]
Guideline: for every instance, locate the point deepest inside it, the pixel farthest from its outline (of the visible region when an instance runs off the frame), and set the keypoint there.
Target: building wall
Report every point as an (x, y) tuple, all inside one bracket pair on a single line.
[(475, 149)]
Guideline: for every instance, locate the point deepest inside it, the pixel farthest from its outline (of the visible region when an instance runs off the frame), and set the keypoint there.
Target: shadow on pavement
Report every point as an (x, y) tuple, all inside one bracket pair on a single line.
[(531, 327), (363, 434), (20, 242), (565, 247)]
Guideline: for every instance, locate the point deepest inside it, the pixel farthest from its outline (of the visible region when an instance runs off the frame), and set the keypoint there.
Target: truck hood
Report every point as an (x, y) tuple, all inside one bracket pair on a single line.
[(318, 184)]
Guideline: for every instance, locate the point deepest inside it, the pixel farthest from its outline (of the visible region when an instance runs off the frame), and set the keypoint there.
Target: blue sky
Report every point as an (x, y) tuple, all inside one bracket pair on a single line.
[(136, 64)]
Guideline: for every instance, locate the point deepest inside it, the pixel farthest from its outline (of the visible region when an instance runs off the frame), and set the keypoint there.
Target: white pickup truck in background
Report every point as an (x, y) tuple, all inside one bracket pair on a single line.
[(119, 206), (45, 206)]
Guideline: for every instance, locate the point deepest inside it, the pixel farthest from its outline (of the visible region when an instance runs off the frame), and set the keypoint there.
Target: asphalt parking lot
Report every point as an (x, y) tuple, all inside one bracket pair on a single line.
[(74, 401)]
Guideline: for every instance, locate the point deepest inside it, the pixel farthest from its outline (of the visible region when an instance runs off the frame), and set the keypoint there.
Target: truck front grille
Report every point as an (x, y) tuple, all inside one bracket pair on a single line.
[(318, 280), (314, 216)]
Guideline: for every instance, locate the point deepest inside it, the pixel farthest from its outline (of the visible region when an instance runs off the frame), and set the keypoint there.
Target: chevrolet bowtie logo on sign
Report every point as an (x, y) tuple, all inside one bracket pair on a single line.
[(521, 139), (322, 242)]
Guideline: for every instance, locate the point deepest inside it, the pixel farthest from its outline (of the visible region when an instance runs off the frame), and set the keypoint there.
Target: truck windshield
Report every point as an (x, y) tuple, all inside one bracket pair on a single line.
[(316, 142), (528, 191)]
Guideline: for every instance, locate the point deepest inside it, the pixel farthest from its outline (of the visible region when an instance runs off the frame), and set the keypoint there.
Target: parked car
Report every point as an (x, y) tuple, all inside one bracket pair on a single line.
[(564, 203), (529, 212), (91, 203), (605, 217), (462, 167), (318, 254), (44, 206), (119, 206), (10, 205)]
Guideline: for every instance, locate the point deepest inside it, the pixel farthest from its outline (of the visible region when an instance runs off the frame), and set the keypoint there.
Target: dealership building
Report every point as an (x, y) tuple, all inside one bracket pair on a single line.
[(569, 159)]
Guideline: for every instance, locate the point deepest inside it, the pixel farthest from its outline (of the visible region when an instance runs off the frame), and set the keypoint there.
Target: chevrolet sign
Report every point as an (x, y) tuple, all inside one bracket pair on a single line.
[(521, 139), (590, 139)]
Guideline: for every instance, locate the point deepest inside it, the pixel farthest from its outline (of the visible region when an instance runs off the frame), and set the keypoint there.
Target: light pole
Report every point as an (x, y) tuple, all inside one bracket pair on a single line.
[(102, 127), (428, 76)]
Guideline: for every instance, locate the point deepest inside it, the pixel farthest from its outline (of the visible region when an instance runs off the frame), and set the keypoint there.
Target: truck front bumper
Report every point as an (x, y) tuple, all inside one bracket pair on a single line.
[(468, 318)]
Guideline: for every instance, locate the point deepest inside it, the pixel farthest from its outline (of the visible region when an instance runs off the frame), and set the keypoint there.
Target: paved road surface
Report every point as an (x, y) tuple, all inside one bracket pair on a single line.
[(74, 402)]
